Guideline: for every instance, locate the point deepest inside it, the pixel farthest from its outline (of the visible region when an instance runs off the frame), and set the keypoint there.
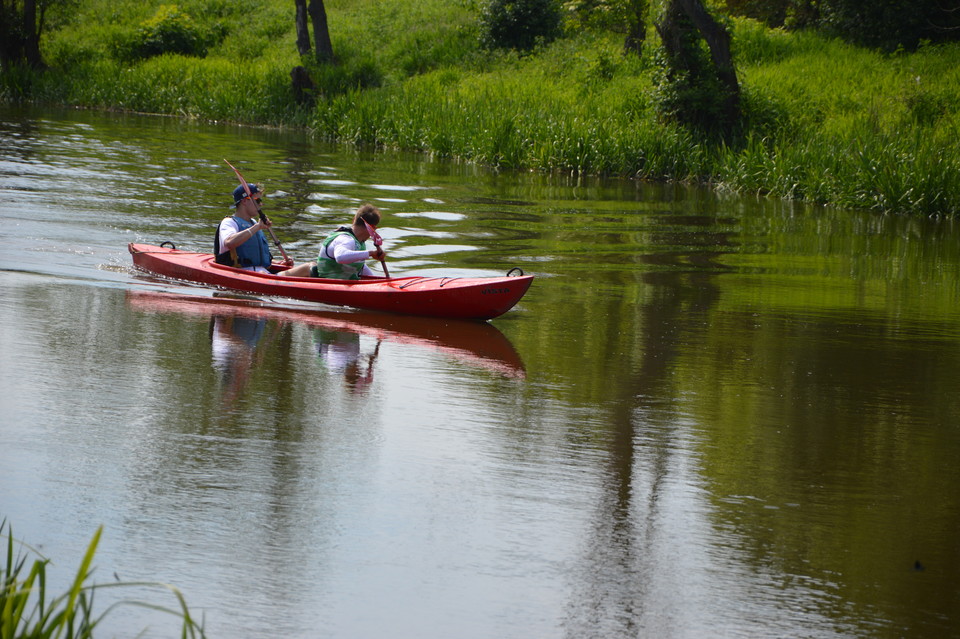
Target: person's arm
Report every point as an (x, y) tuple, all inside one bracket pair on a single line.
[(228, 228), (237, 238), (343, 253)]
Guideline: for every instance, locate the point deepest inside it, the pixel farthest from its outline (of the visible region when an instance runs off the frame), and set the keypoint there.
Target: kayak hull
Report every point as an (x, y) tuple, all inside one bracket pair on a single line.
[(477, 298)]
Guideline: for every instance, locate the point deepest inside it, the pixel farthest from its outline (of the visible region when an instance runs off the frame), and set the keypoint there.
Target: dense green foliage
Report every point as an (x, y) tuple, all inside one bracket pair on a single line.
[(825, 121), (519, 24), (886, 24), (170, 30), (892, 23)]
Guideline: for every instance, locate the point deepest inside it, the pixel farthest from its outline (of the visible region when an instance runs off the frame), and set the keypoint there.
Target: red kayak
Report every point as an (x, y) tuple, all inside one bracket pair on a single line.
[(479, 298)]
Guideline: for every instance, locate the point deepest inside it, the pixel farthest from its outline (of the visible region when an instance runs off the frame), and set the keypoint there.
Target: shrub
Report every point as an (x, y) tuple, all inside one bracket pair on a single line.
[(168, 31), (519, 24)]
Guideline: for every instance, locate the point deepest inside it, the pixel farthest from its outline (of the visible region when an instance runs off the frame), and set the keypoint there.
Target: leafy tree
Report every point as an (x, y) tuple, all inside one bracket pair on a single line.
[(519, 24), (698, 87), (21, 23)]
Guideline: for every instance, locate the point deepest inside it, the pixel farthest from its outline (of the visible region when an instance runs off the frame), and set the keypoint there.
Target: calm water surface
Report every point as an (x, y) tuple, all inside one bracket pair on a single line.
[(711, 416)]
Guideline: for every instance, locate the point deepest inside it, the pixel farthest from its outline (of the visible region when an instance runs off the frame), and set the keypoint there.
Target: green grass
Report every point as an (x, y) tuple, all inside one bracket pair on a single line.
[(825, 121), (28, 610), (853, 128)]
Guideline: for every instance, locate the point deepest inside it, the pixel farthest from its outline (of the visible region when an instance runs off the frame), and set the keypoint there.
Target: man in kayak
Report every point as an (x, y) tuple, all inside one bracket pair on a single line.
[(239, 241), (344, 251)]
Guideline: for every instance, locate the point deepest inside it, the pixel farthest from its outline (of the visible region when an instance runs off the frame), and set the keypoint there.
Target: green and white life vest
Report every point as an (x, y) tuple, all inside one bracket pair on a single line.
[(328, 267)]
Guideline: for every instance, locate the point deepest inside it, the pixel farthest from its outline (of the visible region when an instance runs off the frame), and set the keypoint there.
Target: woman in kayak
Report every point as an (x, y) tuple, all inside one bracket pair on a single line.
[(344, 251), (239, 241)]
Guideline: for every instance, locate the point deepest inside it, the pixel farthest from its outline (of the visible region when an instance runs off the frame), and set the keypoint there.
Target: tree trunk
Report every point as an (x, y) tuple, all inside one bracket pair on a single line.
[(718, 39), (636, 26), (31, 35), (321, 35), (7, 36), (684, 24), (304, 90), (303, 33)]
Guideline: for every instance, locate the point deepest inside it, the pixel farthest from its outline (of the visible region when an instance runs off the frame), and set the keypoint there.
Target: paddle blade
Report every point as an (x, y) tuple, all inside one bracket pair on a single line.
[(377, 240)]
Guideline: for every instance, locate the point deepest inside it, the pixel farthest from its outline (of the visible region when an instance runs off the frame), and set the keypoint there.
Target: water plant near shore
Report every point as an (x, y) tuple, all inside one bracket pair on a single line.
[(28, 609)]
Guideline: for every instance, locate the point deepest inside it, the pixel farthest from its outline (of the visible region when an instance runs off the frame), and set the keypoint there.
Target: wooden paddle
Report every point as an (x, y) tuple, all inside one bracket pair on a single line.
[(377, 241), (263, 217)]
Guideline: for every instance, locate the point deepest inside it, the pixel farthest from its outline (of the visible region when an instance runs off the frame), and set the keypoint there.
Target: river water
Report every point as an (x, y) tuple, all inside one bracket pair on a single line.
[(710, 416)]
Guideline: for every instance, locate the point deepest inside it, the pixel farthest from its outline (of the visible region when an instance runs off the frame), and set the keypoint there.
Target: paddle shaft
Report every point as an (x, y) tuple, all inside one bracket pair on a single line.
[(263, 217), (377, 241)]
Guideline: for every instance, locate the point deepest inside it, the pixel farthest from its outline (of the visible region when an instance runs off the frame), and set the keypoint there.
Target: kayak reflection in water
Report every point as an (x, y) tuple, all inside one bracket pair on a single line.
[(340, 354), (233, 341), (343, 252)]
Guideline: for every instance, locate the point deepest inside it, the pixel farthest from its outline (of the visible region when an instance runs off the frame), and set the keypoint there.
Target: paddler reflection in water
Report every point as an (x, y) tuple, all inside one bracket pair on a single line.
[(240, 241), (343, 253), (340, 353), (233, 341)]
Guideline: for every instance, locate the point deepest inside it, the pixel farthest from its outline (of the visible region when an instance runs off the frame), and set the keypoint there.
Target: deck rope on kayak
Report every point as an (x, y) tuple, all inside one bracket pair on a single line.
[(418, 280), (446, 280)]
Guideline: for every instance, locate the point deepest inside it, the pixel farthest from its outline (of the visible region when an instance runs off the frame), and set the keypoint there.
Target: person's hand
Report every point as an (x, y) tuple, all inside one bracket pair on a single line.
[(378, 253), (288, 262)]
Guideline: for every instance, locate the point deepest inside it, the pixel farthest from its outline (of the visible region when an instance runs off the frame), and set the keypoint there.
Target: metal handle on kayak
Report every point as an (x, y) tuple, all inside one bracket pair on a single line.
[(517, 269)]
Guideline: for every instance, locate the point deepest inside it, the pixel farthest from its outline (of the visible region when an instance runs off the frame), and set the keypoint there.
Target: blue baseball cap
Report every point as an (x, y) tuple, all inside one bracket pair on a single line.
[(240, 194)]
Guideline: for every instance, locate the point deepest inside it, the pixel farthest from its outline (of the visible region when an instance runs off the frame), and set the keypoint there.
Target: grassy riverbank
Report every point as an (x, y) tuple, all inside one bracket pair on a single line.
[(826, 121)]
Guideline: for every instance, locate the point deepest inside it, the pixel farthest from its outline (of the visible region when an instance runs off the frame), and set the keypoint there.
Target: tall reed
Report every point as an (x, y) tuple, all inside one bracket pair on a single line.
[(29, 610)]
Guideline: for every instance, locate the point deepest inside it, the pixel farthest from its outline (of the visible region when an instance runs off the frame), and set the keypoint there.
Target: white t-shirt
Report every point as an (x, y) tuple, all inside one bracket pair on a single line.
[(341, 249), (229, 228)]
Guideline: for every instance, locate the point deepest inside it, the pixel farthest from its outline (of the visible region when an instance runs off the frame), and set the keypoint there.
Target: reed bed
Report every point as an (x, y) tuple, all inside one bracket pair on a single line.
[(28, 610)]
